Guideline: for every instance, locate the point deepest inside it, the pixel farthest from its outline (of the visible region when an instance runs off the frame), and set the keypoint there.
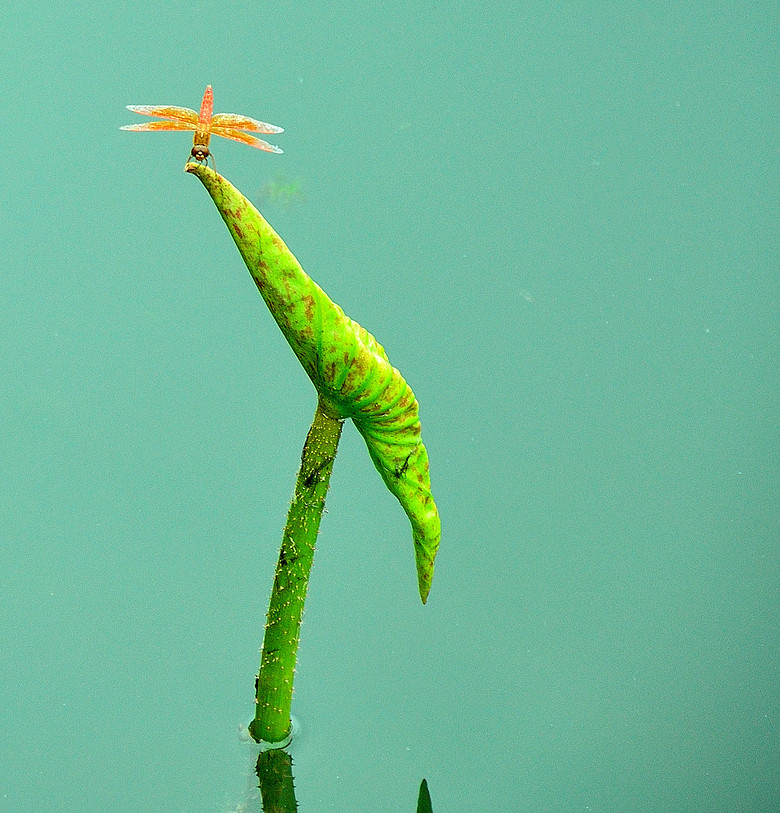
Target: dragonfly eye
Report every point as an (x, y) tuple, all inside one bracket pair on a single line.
[(199, 153)]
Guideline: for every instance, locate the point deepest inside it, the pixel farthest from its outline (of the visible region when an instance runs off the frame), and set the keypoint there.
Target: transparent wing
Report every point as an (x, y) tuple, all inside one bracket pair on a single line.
[(161, 125), (163, 111), (243, 138), (244, 123)]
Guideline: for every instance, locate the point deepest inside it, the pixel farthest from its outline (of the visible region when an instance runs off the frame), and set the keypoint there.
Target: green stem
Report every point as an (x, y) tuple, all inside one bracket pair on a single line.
[(282, 630)]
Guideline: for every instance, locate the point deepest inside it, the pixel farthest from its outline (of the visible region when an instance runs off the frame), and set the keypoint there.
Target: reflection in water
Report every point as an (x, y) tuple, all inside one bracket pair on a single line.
[(274, 774), (282, 191), (277, 791)]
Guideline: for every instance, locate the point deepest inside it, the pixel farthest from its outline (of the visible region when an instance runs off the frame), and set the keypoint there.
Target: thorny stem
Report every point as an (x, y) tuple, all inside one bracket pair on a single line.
[(282, 630)]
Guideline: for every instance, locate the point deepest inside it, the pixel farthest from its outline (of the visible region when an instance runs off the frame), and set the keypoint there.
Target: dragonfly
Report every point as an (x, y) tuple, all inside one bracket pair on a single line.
[(205, 123)]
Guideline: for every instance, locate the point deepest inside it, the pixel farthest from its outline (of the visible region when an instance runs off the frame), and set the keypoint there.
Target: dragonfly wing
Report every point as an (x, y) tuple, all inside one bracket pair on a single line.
[(236, 135), (162, 111), (161, 125), (244, 123)]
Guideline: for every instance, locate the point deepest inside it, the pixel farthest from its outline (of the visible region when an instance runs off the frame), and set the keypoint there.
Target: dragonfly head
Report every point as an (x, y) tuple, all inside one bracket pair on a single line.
[(200, 152)]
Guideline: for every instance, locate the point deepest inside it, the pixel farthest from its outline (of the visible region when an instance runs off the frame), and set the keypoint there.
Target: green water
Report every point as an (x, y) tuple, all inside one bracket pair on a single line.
[(560, 220)]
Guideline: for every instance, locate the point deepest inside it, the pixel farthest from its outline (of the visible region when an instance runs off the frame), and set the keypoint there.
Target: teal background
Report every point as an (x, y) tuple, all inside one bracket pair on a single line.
[(560, 219)]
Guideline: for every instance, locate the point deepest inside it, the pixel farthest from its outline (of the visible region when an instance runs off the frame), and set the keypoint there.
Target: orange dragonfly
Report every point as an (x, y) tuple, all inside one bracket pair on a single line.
[(227, 125)]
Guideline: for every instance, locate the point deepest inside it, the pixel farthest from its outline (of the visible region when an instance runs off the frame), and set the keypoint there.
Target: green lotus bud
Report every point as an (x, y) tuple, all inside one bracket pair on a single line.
[(346, 364)]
